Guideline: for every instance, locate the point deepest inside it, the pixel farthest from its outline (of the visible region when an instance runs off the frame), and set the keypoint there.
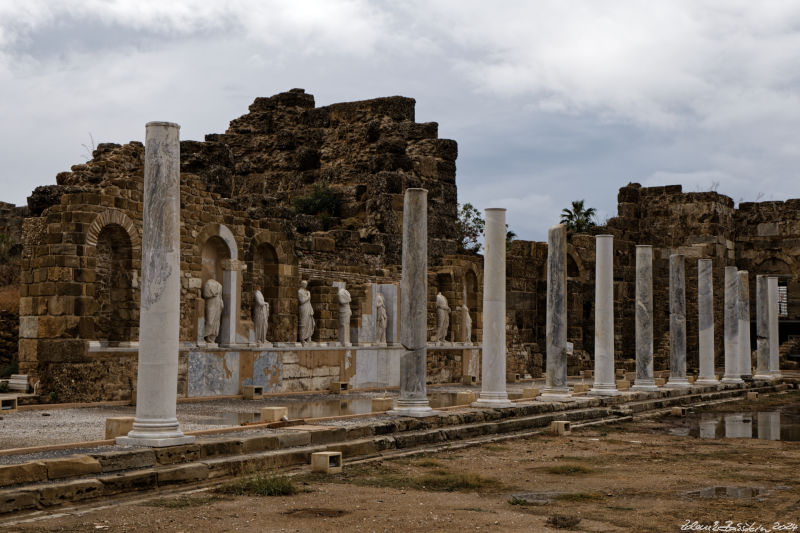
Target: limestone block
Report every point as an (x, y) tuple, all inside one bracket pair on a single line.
[(514, 395), (73, 491), (560, 427), (129, 481), (290, 439), (620, 373), (630, 376), (382, 404), (22, 473), (17, 500), (29, 327), (679, 411), (182, 474), (220, 446), (77, 465), (8, 404), (465, 397), (752, 395), (691, 379), (260, 443), (660, 382), (589, 374), (580, 388), (512, 377), (337, 387), (253, 392), (326, 462), (177, 454), (468, 380), (118, 426), (623, 384), (531, 392), (125, 460), (274, 414)]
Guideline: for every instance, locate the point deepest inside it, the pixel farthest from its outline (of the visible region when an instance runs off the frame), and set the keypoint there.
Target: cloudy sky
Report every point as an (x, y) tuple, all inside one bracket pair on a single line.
[(550, 101)]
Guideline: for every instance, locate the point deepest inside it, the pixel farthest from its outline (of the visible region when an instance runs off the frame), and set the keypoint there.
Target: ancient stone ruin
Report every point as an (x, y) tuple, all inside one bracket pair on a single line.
[(292, 193)]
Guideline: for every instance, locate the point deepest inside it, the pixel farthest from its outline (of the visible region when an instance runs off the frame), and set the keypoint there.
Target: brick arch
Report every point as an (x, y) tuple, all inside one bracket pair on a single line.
[(113, 216), (784, 258), (573, 256), (278, 240)]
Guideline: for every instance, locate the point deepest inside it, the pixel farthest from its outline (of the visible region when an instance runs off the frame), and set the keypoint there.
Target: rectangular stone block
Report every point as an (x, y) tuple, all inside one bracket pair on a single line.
[(177, 454), (465, 397), (76, 465), (326, 462), (580, 388), (8, 404), (182, 474), (512, 377), (125, 460), (129, 481), (294, 438), (260, 443), (623, 384), (327, 435), (72, 491), (531, 392), (588, 374), (252, 392), (118, 426), (18, 500), (752, 395), (22, 473), (468, 380), (338, 387), (274, 414), (660, 382), (560, 427), (514, 395), (382, 404), (679, 411), (220, 446)]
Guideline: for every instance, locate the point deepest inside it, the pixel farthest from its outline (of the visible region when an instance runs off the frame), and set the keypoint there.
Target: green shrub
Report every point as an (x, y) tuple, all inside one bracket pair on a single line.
[(322, 202), (7, 370)]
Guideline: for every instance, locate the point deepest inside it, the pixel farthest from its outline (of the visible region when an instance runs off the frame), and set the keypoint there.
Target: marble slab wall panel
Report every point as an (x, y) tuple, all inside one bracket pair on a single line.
[(213, 374)]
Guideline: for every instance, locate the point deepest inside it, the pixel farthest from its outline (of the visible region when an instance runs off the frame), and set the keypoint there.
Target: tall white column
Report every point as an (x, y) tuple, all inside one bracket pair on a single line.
[(556, 320), (156, 423), (604, 379), (677, 322), (745, 354), (413, 400), (762, 329), (493, 358), (774, 339), (705, 317), (644, 319), (731, 326)]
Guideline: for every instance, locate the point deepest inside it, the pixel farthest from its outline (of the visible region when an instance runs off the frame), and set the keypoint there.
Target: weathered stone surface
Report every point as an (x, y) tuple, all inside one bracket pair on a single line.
[(71, 491), (556, 381), (125, 460), (677, 322), (181, 474), (705, 317), (294, 438), (77, 465), (732, 374), (220, 446), (129, 481), (18, 500), (177, 454), (644, 318), (22, 473), (260, 443)]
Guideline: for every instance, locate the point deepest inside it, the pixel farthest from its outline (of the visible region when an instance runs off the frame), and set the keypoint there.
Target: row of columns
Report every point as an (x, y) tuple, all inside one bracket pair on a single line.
[(156, 424)]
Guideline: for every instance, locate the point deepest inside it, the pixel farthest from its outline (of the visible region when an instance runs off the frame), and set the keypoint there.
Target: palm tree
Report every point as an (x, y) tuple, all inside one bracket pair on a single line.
[(578, 219)]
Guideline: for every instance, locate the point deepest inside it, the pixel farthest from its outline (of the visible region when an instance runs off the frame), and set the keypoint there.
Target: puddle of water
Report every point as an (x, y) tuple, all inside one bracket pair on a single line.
[(777, 424), (735, 493)]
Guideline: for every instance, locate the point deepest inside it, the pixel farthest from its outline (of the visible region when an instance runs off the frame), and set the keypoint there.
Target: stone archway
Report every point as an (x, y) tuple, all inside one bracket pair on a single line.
[(219, 253)]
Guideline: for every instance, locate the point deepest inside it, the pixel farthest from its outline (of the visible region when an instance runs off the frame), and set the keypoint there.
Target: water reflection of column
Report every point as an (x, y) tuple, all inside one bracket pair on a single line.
[(708, 428), (738, 426), (769, 425)]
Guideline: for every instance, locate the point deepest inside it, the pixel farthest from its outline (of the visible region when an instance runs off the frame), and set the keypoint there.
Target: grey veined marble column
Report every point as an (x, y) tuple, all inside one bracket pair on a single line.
[(745, 355), (556, 321), (677, 322), (762, 329), (644, 319), (731, 326), (774, 342), (156, 423), (705, 318), (604, 379), (413, 400), (493, 358)]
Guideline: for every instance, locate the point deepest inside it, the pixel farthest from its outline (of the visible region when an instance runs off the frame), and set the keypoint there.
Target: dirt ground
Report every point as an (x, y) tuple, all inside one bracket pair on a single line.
[(626, 477)]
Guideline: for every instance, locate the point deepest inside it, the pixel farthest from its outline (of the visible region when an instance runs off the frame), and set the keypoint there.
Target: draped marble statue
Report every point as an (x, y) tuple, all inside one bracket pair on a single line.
[(381, 320), (212, 294), (260, 317), (343, 297), (467, 324), (442, 318), (307, 324)]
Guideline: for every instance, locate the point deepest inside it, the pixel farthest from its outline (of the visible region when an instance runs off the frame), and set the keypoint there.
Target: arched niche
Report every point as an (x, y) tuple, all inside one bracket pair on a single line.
[(472, 300), (117, 316), (219, 254)]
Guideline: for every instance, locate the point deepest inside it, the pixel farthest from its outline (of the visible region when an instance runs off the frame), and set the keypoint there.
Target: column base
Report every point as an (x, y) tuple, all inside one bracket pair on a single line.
[(734, 380), (645, 385), (413, 408), (155, 442), (765, 376), (555, 395), (493, 401), (604, 390), (677, 383)]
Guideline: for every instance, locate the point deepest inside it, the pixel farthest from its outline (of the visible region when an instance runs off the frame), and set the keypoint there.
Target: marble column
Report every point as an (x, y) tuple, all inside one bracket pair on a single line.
[(604, 379), (232, 296), (677, 322), (493, 357), (644, 319), (731, 326), (413, 399), (705, 319), (156, 423), (762, 329), (556, 318), (745, 354), (774, 340)]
